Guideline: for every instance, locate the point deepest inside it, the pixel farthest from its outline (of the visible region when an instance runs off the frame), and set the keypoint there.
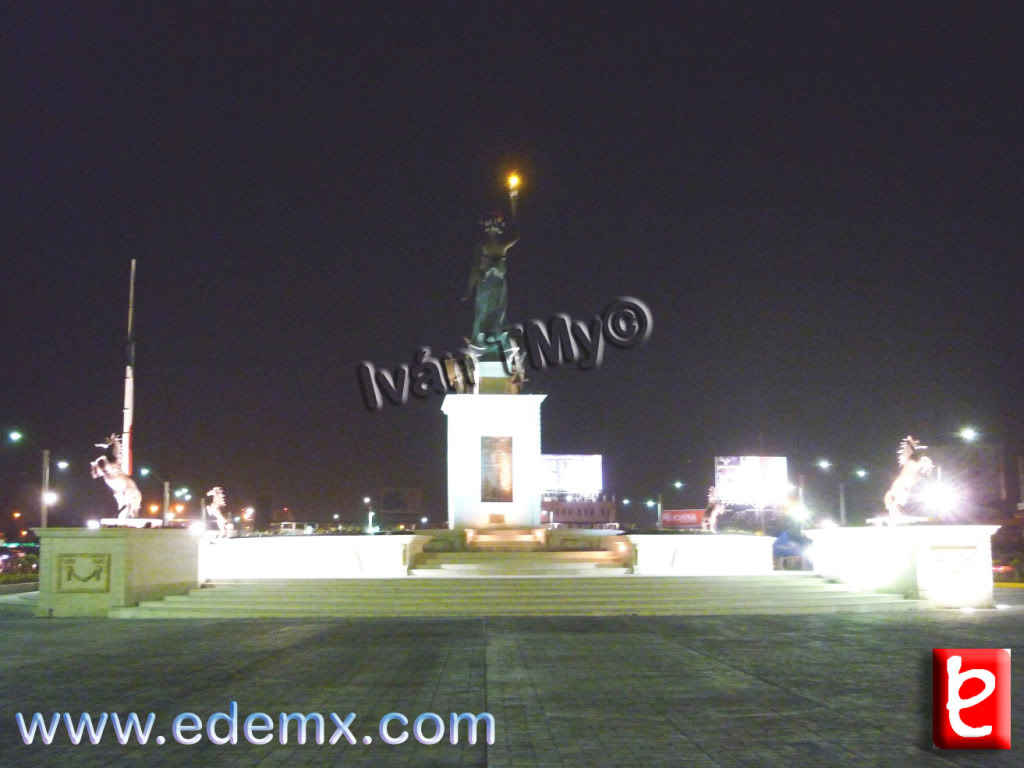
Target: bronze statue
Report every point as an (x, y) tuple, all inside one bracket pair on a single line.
[(488, 285)]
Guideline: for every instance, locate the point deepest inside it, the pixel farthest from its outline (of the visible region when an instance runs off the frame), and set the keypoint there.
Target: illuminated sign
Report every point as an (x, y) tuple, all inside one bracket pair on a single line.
[(682, 518), (572, 473), (761, 481)]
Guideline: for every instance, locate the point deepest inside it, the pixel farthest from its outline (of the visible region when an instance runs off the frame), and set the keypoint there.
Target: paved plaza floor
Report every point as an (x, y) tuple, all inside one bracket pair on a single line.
[(740, 691)]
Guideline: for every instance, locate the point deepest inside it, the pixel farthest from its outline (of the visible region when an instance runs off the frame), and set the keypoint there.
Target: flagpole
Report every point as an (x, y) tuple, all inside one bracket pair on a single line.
[(129, 382)]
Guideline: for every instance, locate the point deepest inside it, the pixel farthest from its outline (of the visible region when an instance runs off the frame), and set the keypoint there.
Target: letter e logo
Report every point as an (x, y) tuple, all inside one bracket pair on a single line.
[(971, 698)]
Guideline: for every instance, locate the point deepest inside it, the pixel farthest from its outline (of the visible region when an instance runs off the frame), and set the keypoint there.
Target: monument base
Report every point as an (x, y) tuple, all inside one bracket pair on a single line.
[(494, 464), (130, 522), (86, 572), (948, 565)]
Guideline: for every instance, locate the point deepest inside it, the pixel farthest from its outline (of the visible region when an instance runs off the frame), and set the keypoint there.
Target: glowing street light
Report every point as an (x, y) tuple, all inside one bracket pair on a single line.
[(145, 472), (860, 473), (45, 496), (369, 515), (969, 434), (651, 504)]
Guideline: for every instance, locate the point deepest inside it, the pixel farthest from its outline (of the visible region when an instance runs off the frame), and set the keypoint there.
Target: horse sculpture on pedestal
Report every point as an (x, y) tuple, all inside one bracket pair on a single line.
[(108, 466), (913, 466), (216, 509)]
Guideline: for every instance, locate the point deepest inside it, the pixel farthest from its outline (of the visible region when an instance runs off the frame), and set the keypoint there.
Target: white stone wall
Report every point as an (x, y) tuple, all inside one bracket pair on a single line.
[(471, 417)]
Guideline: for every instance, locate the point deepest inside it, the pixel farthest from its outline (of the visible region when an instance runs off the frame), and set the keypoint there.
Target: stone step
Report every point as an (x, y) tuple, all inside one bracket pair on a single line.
[(426, 559), (291, 612), (774, 583), (506, 541), (536, 597), (511, 596)]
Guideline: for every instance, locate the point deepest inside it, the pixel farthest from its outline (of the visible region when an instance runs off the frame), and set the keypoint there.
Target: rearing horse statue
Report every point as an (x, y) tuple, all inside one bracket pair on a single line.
[(216, 509), (108, 466), (913, 466)]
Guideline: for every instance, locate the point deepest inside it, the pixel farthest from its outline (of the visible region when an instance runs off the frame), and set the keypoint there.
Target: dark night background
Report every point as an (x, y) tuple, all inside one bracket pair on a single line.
[(820, 203)]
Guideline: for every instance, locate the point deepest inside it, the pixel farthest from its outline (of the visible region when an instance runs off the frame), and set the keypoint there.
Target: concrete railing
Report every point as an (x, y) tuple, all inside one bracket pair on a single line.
[(701, 554), (308, 557)]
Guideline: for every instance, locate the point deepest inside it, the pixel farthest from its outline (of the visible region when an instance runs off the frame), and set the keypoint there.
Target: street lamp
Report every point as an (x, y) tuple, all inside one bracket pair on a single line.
[(369, 514), (859, 473), (144, 471), (651, 503), (659, 501), (46, 498)]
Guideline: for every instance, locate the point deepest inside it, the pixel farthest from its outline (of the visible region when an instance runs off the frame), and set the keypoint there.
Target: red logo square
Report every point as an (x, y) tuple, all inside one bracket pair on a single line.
[(971, 698)]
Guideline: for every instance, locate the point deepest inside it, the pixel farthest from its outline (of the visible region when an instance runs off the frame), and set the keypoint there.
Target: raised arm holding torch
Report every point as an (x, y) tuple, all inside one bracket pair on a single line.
[(513, 193)]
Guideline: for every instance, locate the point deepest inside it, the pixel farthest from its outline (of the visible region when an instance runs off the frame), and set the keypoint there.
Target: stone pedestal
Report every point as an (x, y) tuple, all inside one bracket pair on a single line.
[(494, 465), (86, 572), (948, 565)]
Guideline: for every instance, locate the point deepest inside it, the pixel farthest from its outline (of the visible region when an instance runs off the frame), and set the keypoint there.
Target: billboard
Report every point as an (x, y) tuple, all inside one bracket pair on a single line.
[(682, 518), (400, 501), (572, 473), (757, 481)]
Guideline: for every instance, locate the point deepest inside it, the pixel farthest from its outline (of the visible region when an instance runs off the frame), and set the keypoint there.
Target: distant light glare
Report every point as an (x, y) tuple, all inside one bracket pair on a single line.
[(800, 513), (92, 524), (970, 434), (825, 464), (941, 497)]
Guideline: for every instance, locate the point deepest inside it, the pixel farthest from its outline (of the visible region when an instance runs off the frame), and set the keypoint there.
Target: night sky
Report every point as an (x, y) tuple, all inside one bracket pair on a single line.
[(819, 202)]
